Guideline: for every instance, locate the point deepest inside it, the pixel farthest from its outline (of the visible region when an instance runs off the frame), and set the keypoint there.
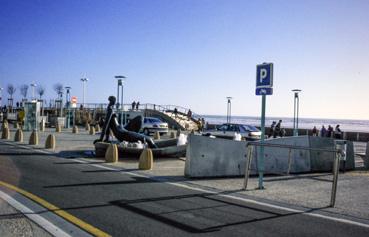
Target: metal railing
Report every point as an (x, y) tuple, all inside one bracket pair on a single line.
[(339, 153)]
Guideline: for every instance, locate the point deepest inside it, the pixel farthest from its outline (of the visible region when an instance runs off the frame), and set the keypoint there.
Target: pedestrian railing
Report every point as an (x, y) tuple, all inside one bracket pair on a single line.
[(339, 154)]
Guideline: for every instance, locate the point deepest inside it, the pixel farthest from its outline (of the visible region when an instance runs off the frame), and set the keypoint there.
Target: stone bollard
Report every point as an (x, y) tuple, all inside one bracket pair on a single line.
[(173, 135), (5, 133), (58, 128), (92, 130), (18, 135), (146, 160), (50, 142), (87, 127), (111, 154), (97, 128), (33, 139), (156, 135), (75, 129)]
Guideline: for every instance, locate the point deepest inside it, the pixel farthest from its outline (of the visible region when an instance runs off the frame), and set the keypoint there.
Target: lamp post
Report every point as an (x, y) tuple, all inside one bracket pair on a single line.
[(121, 80), (33, 85), (296, 102), (229, 109), (84, 80), (67, 103), (1, 96)]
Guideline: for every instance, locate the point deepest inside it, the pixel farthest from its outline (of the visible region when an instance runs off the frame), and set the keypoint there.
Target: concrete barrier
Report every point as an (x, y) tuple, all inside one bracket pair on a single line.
[(75, 129), (156, 135), (18, 137), (50, 142), (146, 160), (111, 154), (92, 130), (5, 133), (33, 139), (214, 157)]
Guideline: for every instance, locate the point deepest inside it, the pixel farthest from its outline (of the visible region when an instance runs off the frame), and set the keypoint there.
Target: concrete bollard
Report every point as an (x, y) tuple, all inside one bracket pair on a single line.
[(111, 154), (156, 135), (58, 128), (75, 129), (33, 139), (50, 142), (92, 130), (146, 160), (87, 127), (18, 135), (97, 128), (173, 135), (5, 133)]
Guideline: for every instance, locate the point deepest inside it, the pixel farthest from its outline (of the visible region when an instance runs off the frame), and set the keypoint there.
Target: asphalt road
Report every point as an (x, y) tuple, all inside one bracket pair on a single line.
[(122, 204)]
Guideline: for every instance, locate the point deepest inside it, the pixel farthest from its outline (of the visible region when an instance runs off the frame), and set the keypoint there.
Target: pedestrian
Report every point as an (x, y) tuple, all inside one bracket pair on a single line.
[(330, 131), (323, 131), (204, 125), (189, 115), (277, 129), (133, 105), (137, 105), (17, 104), (271, 130), (337, 132), (315, 131), (199, 125), (175, 111)]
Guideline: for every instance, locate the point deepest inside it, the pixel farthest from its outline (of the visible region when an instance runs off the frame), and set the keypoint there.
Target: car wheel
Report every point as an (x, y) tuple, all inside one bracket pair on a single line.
[(146, 132)]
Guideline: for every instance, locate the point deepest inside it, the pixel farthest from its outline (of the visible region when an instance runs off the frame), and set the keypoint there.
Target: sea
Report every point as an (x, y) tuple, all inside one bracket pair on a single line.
[(347, 125)]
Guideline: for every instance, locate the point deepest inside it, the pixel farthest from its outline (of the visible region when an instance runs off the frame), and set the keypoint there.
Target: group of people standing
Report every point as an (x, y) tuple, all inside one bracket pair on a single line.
[(135, 105), (276, 130), (328, 132)]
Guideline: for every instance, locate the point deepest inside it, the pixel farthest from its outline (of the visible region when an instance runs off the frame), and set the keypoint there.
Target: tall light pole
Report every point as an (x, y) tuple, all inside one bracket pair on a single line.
[(67, 103), (33, 85), (1, 96), (229, 109), (121, 80), (84, 80), (296, 102)]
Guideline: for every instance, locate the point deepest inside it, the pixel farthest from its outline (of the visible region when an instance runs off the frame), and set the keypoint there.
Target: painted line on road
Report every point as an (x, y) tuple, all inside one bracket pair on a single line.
[(341, 220), (76, 221), (45, 224)]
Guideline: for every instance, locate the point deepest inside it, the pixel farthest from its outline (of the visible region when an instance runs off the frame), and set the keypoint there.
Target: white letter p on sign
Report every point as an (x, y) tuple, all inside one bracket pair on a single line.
[(263, 74)]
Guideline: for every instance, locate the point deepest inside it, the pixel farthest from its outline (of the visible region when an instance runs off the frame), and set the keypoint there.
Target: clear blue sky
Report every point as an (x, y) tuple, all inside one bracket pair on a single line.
[(194, 53)]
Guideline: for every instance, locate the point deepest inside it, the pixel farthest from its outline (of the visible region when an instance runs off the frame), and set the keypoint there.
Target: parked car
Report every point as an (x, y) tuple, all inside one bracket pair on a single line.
[(228, 130), (151, 125)]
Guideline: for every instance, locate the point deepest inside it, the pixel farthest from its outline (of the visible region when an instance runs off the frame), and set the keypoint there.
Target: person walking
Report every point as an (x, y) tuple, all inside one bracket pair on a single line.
[(271, 130), (175, 113), (137, 105), (189, 115), (330, 131), (337, 132), (323, 131), (133, 105), (315, 131), (277, 130)]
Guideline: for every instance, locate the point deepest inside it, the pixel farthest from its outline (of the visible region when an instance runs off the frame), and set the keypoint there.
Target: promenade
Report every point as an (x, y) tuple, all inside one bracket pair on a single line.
[(308, 194)]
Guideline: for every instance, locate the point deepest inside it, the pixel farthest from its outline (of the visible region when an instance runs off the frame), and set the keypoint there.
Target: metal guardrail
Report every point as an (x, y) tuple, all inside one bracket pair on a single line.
[(335, 168)]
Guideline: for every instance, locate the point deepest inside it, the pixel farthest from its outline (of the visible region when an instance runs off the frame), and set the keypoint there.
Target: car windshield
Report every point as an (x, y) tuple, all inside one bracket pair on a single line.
[(154, 120), (249, 128)]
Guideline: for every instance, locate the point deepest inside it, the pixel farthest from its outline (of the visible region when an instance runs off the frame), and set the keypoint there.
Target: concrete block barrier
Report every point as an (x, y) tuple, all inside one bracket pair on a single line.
[(146, 160), (75, 129), (92, 130), (18, 135), (5, 133), (111, 154), (50, 142), (33, 139), (156, 135)]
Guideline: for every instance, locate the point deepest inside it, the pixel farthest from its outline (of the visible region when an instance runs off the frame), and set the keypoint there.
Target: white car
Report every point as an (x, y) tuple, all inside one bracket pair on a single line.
[(228, 130), (151, 125)]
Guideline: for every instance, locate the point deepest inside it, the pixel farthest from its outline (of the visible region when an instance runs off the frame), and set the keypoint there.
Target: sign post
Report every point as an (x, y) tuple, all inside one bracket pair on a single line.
[(264, 86)]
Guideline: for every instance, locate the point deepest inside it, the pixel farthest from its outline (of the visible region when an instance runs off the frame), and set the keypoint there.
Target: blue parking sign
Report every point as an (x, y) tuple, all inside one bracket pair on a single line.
[(264, 91), (264, 75)]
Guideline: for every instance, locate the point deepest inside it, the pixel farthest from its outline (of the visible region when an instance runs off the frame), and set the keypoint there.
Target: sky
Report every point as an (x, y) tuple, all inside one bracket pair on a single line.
[(193, 53)]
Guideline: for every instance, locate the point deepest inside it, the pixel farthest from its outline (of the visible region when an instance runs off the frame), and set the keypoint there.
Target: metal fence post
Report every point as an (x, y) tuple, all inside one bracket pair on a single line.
[(248, 164)]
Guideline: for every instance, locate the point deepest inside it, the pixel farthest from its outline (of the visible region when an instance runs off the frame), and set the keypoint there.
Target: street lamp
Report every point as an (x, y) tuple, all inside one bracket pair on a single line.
[(121, 80), (84, 80), (296, 102), (229, 109), (33, 85), (67, 103)]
